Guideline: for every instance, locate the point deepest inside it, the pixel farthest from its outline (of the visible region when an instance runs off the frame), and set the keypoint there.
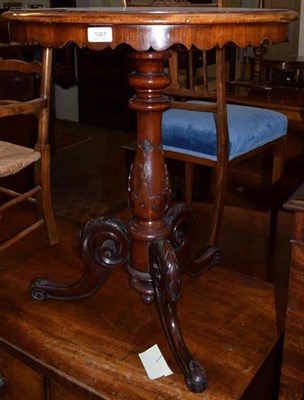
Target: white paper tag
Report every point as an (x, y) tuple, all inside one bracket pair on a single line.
[(100, 34), (154, 363)]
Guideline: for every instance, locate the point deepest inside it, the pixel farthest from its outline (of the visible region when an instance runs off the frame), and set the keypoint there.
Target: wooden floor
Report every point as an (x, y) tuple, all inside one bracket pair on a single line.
[(232, 322), (232, 317)]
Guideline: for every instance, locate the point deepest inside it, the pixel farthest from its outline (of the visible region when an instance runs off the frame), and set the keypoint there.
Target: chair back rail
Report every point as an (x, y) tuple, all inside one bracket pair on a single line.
[(12, 108), (16, 156), (210, 137), (20, 66)]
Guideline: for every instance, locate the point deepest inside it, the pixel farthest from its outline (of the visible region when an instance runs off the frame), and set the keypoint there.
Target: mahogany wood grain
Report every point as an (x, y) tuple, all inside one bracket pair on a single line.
[(155, 226), (90, 347), (288, 100), (60, 392), (29, 387), (146, 27)]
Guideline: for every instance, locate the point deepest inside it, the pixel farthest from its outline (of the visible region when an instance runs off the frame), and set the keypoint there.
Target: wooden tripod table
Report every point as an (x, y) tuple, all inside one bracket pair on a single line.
[(155, 246)]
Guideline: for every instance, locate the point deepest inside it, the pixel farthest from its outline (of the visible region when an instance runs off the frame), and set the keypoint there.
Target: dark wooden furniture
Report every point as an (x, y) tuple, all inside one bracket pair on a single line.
[(292, 376), (14, 157), (288, 100), (89, 349), (224, 133), (284, 72), (277, 71), (274, 76), (156, 243), (213, 91)]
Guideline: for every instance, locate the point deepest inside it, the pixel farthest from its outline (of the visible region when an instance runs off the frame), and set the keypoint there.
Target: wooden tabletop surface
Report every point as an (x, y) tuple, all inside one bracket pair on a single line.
[(149, 27)]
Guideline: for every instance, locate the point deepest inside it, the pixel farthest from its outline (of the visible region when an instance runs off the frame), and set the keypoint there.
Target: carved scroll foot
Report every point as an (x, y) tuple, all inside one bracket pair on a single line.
[(167, 283), (104, 245), (181, 219)]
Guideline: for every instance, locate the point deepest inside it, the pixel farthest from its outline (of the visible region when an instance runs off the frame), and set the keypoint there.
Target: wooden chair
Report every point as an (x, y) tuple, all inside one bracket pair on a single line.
[(14, 157), (209, 132)]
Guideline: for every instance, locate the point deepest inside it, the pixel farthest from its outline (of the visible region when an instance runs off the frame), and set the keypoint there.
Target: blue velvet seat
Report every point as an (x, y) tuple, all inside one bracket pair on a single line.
[(200, 128), (195, 133)]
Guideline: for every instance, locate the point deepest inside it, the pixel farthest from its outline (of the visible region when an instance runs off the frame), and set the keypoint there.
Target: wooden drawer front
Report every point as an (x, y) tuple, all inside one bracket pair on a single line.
[(21, 382), (60, 392)]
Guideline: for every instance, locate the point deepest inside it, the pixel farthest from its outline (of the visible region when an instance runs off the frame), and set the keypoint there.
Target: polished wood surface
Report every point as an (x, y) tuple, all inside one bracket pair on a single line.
[(292, 378), (291, 70), (288, 100), (143, 28), (156, 246), (88, 349)]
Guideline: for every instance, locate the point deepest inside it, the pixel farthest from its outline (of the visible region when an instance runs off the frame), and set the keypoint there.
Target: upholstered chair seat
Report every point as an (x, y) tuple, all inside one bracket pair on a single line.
[(201, 128), (195, 133)]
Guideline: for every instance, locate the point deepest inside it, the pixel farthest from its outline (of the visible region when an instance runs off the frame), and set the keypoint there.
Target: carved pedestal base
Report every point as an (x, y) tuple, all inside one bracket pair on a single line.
[(157, 244), (104, 245)]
